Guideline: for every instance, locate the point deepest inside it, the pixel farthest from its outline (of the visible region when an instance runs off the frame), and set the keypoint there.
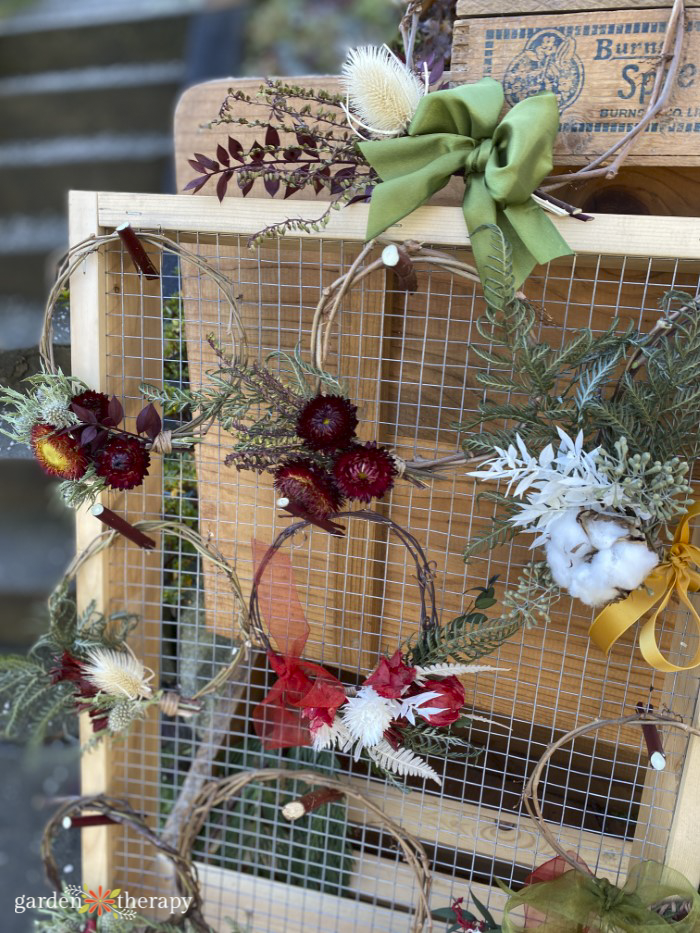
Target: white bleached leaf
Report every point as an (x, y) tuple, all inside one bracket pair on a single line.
[(458, 670), (402, 761)]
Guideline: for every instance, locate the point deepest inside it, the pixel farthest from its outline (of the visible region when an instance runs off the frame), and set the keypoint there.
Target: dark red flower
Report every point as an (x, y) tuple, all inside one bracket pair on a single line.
[(322, 702), (123, 462), (391, 677), (96, 402), (364, 472), (475, 926), (302, 482), (58, 454), (327, 422), (449, 701), (91, 927)]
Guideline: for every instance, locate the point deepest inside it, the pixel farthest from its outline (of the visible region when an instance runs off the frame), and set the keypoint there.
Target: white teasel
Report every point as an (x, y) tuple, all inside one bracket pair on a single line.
[(118, 673), (382, 94)]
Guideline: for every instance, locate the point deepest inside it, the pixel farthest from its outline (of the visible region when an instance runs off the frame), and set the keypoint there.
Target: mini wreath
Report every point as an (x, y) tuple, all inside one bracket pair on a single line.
[(104, 811), (85, 664), (74, 431), (219, 792), (565, 891), (408, 705)]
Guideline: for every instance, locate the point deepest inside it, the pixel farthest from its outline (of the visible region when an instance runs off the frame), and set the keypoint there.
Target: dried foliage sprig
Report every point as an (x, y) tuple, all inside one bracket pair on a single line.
[(83, 662), (307, 145)]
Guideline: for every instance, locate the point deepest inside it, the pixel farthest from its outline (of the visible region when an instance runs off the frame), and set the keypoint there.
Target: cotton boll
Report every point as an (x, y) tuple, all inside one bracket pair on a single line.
[(604, 533), (634, 563), (591, 582), (566, 533)]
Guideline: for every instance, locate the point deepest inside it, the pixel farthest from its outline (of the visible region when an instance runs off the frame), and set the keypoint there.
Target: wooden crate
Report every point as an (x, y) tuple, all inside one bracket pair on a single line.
[(405, 359)]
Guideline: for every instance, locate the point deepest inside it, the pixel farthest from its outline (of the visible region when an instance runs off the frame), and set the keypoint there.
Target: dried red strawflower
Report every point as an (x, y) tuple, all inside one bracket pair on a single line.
[(69, 668), (302, 482), (449, 701), (391, 677), (327, 422), (123, 462), (96, 402), (364, 472), (58, 454)]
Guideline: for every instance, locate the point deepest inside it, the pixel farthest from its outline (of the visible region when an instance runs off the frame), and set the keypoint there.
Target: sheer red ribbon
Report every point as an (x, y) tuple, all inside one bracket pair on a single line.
[(304, 694), (548, 871)]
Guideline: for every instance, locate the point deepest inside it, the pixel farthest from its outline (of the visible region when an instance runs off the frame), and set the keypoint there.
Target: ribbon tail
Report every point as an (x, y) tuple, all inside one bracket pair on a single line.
[(613, 621), (648, 642), (533, 237)]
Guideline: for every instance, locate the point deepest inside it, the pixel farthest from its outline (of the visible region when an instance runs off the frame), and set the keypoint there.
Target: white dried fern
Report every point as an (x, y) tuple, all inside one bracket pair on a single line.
[(444, 670), (401, 761)]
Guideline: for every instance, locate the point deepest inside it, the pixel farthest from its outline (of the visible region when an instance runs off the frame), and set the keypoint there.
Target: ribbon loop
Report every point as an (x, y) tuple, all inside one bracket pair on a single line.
[(457, 132), (674, 576)]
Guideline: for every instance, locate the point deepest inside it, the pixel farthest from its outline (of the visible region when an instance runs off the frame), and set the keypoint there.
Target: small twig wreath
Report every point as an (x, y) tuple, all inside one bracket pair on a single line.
[(408, 704), (90, 654), (75, 431), (532, 787), (218, 792), (115, 810)]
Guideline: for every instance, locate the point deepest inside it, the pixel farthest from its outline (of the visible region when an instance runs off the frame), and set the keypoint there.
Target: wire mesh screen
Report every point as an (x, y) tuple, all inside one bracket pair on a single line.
[(408, 362)]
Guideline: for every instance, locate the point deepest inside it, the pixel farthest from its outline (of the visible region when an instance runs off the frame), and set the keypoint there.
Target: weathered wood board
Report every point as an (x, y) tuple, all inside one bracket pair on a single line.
[(600, 65), (492, 7)]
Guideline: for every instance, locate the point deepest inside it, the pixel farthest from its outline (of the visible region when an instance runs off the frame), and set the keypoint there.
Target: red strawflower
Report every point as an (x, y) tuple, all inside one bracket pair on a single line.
[(123, 462), (476, 926), (364, 472), (449, 702), (96, 402), (391, 677), (67, 668), (322, 702), (58, 454), (305, 484), (327, 422)]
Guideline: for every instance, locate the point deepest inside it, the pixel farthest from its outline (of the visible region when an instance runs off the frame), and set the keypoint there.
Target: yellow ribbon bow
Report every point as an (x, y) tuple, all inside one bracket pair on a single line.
[(672, 576)]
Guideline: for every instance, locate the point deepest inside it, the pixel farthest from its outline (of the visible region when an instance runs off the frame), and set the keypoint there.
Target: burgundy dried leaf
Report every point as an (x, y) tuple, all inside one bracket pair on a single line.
[(236, 149), (197, 166), (149, 422), (222, 155), (256, 154), (344, 173), (245, 186), (86, 416), (290, 190), (206, 162), (196, 184), (88, 434), (272, 186), (115, 411), (272, 137), (318, 185), (222, 184), (360, 197), (306, 140), (291, 154)]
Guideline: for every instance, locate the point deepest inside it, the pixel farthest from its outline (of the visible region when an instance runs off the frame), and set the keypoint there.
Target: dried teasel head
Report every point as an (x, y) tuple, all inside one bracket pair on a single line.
[(382, 93)]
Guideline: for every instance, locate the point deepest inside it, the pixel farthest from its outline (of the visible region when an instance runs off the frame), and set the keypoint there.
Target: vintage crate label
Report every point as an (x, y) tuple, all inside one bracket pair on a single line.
[(601, 67)]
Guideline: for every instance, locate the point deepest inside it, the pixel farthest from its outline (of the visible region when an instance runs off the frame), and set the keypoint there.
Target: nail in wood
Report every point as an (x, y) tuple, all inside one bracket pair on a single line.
[(652, 737), (136, 250), (117, 523)]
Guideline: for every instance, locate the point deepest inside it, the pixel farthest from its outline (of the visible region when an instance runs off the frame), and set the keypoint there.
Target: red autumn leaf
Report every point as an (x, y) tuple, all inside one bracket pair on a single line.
[(86, 416), (206, 161), (222, 184), (256, 153), (236, 149), (222, 155), (115, 411), (196, 184), (291, 154), (272, 137), (245, 186), (88, 434), (149, 422)]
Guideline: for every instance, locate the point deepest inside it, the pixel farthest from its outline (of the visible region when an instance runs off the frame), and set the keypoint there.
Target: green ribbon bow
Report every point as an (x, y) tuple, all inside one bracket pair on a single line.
[(458, 131), (575, 902)]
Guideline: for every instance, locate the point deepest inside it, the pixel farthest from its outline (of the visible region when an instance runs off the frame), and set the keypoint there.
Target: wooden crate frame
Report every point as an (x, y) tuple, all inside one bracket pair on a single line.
[(95, 213)]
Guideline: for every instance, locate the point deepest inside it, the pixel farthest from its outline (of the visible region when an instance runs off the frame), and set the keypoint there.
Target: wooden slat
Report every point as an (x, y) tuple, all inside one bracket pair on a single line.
[(500, 835), (608, 233), (260, 902)]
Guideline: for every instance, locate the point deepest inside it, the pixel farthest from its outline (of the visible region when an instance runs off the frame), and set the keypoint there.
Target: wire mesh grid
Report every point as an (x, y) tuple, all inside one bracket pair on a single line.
[(408, 363)]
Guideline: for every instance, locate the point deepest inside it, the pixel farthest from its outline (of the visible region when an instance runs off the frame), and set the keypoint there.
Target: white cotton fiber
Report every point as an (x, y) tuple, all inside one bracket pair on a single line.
[(595, 558)]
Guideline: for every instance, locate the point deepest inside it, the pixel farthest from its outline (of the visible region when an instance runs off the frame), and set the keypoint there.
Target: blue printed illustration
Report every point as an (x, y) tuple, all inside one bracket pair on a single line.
[(547, 63)]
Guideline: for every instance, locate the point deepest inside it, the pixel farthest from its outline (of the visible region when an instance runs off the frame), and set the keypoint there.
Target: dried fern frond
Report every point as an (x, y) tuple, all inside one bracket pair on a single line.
[(401, 761)]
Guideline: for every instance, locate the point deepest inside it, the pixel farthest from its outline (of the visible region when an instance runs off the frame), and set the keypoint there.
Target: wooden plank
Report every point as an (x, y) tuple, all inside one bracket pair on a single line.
[(88, 362), (499, 835), (467, 8), (240, 896), (600, 71), (646, 237)]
